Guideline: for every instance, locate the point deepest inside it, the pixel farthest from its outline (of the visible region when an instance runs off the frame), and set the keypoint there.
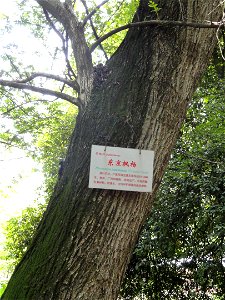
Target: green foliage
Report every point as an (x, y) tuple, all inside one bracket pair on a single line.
[(154, 7), (2, 287), (3, 270), (51, 144), (19, 232), (181, 252), (50, 136), (32, 17), (110, 16)]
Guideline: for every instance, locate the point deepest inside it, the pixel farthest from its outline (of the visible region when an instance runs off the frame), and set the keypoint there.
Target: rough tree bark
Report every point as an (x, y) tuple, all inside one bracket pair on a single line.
[(85, 239)]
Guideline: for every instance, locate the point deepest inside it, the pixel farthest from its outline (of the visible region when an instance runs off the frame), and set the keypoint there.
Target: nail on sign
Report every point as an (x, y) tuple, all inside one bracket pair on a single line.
[(126, 169)]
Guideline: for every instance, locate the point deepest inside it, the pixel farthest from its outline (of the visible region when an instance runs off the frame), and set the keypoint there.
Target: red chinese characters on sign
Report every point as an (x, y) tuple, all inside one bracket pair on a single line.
[(110, 162), (133, 164), (118, 163), (124, 163)]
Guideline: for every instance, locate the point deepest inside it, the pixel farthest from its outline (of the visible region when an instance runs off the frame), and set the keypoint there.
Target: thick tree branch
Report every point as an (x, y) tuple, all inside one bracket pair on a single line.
[(64, 43), (88, 17), (8, 144), (23, 86), (64, 13), (73, 84), (159, 23)]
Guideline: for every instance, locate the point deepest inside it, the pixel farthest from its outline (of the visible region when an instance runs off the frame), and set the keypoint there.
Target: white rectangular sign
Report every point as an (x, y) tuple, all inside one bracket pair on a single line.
[(126, 169)]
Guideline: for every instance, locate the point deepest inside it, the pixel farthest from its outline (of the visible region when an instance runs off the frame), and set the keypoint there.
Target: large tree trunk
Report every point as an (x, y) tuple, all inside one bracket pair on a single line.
[(85, 240)]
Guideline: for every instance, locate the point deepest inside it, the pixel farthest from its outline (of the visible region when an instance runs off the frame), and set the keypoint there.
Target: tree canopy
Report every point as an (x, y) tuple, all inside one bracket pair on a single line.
[(29, 112)]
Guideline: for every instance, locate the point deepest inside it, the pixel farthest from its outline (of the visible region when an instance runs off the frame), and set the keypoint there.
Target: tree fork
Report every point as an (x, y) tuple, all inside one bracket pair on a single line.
[(85, 239)]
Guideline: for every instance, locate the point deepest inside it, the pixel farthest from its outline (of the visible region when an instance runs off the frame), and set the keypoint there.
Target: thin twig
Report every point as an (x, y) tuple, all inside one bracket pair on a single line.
[(222, 24), (10, 144), (88, 17), (65, 50), (53, 25), (25, 103), (111, 17), (93, 28), (64, 42), (204, 159), (21, 108), (14, 67)]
